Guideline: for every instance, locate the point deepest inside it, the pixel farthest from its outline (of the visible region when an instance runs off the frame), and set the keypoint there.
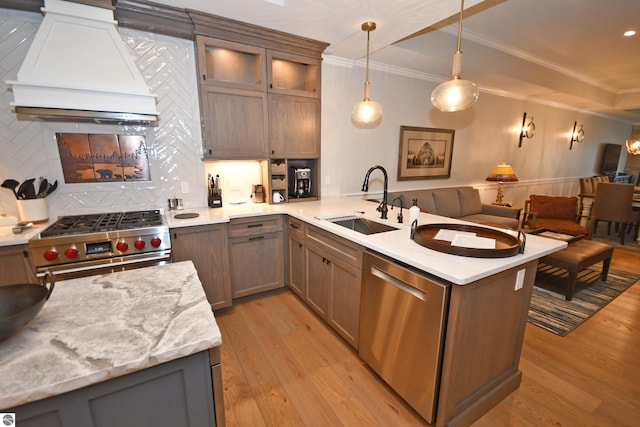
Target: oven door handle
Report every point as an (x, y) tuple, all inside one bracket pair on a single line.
[(163, 257)]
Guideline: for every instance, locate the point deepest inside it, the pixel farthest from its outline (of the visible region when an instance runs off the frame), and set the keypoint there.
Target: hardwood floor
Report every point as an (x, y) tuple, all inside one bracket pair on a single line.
[(282, 366)]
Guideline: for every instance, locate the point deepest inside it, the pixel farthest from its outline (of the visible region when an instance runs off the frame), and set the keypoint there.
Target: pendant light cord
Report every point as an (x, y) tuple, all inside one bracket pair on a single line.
[(366, 77), (460, 24)]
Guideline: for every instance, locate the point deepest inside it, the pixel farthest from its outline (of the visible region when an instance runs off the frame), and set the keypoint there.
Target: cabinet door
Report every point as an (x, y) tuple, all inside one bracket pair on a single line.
[(234, 123), (16, 266), (257, 263), (344, 300), (317, 276), (206, 247), (297, 266), (230, 64), (293, 74), (294, 126)]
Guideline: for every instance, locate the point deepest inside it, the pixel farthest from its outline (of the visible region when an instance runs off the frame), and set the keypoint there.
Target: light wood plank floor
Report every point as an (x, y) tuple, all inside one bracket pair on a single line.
[(282, 366)]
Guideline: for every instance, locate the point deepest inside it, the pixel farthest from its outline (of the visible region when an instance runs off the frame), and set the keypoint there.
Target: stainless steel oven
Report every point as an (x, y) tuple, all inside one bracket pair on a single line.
[(84, 245)]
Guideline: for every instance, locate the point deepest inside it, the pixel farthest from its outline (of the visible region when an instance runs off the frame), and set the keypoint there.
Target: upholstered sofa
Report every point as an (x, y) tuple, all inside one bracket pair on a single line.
[(459, 202)]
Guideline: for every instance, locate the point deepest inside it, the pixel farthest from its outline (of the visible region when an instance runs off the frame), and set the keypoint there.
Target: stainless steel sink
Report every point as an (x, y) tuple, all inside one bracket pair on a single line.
[(361, 225)]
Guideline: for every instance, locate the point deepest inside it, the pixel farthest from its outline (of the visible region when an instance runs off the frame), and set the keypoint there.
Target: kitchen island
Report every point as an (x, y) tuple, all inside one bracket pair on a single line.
[(130, 346)]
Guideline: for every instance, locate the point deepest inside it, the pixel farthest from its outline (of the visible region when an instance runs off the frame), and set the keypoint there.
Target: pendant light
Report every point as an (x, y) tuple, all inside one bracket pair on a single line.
[(456, 94), (367, 111)]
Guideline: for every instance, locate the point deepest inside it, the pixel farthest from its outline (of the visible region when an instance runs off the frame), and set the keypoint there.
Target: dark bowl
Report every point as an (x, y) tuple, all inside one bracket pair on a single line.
[(19, 304)]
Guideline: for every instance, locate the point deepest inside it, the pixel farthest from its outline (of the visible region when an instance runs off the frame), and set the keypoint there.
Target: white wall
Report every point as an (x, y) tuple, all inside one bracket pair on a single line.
[(485, 135)]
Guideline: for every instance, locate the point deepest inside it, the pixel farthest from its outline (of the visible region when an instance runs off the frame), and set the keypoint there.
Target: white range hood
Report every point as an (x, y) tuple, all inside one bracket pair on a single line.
[(78, 69)]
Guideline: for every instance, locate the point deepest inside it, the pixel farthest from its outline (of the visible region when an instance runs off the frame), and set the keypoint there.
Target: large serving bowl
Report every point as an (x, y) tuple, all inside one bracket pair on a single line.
[(19, 304)]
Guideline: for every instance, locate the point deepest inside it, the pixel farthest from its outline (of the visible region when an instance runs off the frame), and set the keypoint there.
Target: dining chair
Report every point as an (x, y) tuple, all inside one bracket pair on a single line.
[(613, 204)]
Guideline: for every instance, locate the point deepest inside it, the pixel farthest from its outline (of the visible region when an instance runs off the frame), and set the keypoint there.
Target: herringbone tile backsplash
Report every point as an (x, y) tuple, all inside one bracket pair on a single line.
[(175, 146)]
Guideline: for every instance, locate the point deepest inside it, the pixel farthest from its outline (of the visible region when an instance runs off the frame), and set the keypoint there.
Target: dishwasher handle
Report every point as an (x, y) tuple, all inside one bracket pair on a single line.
[(422, 296)]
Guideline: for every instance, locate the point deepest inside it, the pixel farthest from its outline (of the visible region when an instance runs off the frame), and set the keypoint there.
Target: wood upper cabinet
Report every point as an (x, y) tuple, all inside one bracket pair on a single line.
[(292, 74), (16, 266), (258, 102), (294, 127), (230, 64), (206, 247), (233, 100), (234, 123)]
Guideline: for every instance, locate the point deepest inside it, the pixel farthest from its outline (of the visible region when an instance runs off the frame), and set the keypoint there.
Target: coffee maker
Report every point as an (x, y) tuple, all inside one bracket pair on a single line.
[(299, 182)]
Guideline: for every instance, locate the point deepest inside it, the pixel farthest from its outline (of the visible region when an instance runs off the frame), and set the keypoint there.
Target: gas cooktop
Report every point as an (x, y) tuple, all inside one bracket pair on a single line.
[(89, 223)]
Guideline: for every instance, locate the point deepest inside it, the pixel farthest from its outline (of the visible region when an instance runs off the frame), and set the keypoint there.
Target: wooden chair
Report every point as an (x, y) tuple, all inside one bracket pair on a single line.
[(555, 213), (613, 203)]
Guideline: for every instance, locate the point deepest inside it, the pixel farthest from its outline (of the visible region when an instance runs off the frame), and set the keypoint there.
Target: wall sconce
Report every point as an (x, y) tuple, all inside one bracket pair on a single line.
[(455, 94), (633, 147), (367, 112), (577, 135), (527, 130)]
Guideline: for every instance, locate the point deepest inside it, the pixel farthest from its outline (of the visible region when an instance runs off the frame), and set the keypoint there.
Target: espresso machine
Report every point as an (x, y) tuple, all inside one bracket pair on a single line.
[(299, 182)]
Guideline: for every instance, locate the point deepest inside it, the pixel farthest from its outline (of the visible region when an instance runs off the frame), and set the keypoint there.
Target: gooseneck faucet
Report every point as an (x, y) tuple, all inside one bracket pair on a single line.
[(382, 207), (400, 214)]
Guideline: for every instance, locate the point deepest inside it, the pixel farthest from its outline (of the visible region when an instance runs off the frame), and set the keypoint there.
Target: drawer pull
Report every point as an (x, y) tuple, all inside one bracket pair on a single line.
[(254, 225), (294, 225), (256, 238)]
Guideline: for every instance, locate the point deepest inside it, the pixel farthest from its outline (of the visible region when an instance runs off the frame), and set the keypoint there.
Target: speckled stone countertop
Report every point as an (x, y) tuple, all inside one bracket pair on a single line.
[(101, 327)]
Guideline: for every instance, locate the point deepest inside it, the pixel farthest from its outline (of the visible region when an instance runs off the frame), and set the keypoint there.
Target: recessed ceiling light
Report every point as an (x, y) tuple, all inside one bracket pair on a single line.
[(629, 33)]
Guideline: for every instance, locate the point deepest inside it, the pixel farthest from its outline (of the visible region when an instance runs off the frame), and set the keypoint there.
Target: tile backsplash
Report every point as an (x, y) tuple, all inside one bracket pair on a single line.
[(175, 145)]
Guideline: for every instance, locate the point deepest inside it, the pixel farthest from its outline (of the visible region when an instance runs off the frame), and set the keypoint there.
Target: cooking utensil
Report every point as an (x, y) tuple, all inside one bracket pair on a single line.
[(27, 189), (11, 184), (43, 186), (19, 304), (50, 188)]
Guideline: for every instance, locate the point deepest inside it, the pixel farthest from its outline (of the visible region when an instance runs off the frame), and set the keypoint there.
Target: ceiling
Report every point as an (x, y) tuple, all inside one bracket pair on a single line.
[(561, 52)]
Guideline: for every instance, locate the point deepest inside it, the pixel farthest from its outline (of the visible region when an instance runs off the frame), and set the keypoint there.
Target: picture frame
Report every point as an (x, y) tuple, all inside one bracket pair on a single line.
[(425, 153)]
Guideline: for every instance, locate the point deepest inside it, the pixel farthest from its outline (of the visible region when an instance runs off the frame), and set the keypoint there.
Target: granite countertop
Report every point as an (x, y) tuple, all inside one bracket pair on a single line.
[(100, 327), (397, 244)]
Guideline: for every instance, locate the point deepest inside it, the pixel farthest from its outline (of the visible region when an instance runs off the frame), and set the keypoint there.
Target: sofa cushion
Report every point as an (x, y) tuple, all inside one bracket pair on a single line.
[(554, 207), (447, 203), (470, 202), (492, 220)]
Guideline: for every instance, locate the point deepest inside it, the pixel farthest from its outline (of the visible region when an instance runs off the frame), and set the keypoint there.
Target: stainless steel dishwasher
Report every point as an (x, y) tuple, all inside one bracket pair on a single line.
[(402, 330)]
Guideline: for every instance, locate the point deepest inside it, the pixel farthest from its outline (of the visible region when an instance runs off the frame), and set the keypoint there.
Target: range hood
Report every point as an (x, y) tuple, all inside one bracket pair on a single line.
[(78, 69)]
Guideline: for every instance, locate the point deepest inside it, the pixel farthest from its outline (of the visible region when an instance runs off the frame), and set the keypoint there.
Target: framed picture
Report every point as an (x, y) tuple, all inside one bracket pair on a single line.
[(424, 153)]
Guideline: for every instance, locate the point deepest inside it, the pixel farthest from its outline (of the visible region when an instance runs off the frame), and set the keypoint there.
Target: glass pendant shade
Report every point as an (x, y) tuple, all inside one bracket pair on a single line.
[(456, 94), (633, 147), (366, 111)]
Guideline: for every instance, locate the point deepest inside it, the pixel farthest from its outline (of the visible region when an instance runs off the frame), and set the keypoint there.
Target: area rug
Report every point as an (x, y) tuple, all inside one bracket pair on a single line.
[(549, 309)]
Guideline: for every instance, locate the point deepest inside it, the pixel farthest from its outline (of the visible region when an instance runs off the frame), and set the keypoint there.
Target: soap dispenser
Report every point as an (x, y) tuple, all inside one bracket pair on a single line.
[(414, 211)]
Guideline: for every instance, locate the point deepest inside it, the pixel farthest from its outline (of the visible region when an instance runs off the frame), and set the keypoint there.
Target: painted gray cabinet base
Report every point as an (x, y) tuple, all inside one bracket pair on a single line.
[(176, 393)]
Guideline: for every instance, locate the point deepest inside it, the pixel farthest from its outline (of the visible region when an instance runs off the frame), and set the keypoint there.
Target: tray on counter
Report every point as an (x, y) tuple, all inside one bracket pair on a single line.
[(506, 244)]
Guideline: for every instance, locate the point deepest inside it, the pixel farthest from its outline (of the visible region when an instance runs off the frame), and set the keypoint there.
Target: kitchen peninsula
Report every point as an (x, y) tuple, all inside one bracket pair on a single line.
[(125, 348), (488, 298)]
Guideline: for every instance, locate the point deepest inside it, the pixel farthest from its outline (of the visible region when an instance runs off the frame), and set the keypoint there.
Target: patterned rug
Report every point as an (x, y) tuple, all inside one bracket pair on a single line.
[(549, 309)]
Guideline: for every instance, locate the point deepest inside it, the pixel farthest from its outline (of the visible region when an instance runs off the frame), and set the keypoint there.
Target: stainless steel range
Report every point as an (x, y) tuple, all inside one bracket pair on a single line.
[(83, 245)]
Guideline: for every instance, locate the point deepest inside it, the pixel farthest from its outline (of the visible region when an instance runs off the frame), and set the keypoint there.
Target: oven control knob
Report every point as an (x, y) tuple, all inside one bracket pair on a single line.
[(51, 255), (122, 246), (139, 244), (71, 252), (156, 242)]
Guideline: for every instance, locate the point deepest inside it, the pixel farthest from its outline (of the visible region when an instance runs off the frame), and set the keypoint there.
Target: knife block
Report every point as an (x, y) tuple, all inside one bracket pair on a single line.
[(215, 198)]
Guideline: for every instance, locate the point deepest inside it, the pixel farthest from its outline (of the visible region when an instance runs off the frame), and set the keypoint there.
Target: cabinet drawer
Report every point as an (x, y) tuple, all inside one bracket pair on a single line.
[(295, 228), (278, 183), (254, 226), (278, 168), (335, 246)]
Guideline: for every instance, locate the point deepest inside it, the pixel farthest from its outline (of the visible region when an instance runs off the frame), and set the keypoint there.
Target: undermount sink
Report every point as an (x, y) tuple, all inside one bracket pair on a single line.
[(361, 225)]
